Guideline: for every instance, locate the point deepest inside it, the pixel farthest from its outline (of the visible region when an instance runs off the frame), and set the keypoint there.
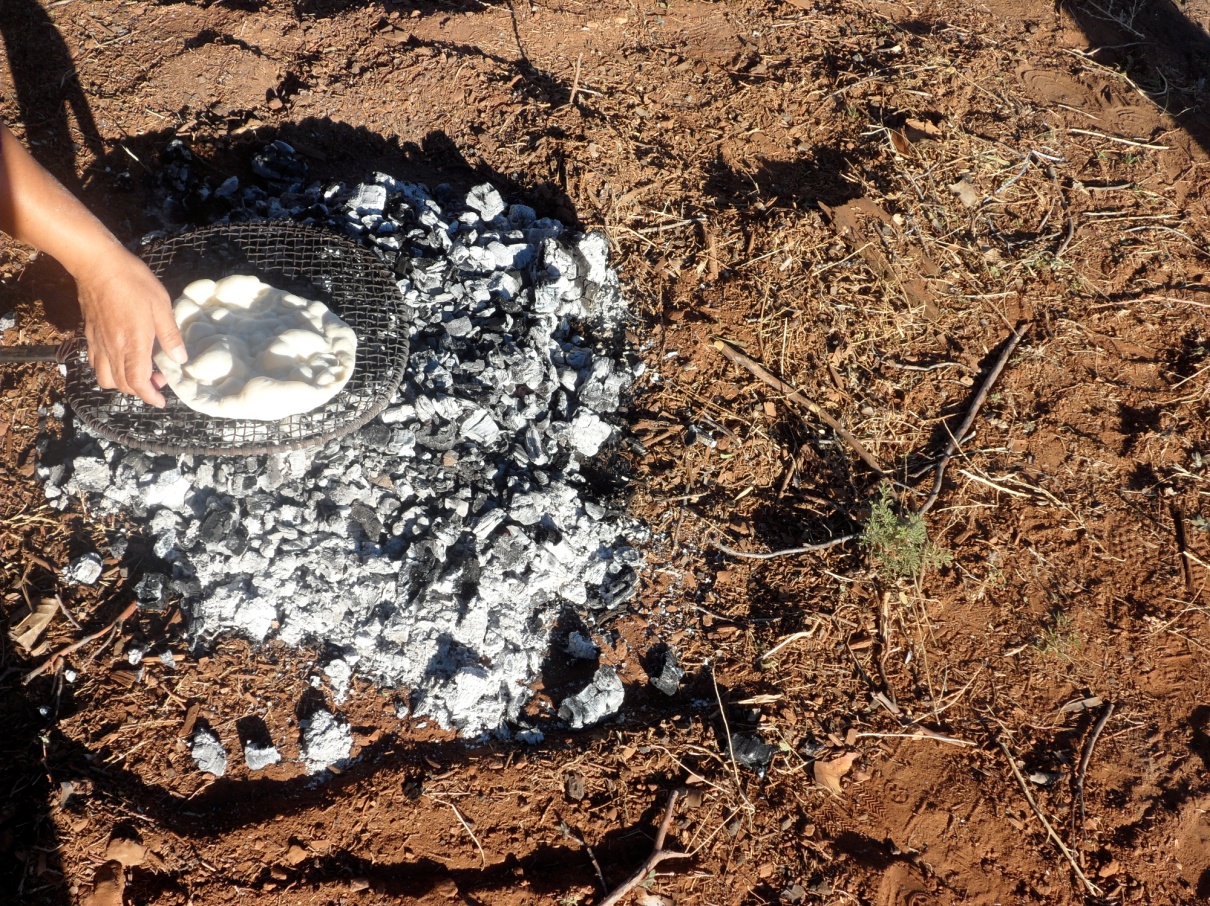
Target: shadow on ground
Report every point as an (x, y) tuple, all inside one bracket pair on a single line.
[(1161, 50)]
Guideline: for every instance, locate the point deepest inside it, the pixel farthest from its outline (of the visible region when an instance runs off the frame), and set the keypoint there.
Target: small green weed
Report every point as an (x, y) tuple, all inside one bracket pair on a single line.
[(900, 545), (1059, 639)]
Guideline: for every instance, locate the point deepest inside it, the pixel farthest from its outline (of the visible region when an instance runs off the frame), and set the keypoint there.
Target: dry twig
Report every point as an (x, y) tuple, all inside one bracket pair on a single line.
[(658, 855), (736, 357), (807, 548), (1050, 831), (76, 646), (952, 447), (1083, 768), (463, 821)]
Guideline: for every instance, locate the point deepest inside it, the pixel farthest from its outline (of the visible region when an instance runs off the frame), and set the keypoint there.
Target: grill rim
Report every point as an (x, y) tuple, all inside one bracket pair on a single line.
[(98, 409)]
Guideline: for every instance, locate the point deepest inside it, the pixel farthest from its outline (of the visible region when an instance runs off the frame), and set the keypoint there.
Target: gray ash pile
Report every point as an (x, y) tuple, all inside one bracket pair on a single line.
[(432, 550)]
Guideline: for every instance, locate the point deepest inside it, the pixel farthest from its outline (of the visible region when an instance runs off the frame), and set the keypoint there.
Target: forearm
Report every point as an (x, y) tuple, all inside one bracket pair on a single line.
[(36, 209)]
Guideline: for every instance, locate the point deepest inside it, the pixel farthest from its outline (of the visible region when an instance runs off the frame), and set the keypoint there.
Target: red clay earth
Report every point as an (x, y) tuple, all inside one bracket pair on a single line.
[(866, 198)]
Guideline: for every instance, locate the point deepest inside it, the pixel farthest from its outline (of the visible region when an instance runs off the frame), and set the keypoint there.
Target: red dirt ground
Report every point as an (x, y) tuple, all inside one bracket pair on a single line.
[(866, 198)]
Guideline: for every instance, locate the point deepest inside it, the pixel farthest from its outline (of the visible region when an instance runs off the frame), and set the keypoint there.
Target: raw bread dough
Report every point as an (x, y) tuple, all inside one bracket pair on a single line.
[(257, 352)]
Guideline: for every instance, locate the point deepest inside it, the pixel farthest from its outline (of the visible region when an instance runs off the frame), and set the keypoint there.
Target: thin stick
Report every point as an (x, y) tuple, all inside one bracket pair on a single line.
[(575, 84), (952, 447), (575, 835), (722, 713), (658, 855), (793, 637), (1058, 841), (1119, 140), (67, 613), (823, 545), (462, 821), (1085, 759), (1182, 547), (935, 737), (736, 357), (76, 646)]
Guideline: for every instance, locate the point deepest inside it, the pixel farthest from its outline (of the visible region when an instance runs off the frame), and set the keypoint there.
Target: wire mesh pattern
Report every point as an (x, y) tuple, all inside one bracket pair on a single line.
[(312, 263)]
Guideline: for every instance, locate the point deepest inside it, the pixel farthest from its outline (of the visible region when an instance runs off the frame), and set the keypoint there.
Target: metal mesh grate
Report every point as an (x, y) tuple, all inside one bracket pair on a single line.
[(349, 279)]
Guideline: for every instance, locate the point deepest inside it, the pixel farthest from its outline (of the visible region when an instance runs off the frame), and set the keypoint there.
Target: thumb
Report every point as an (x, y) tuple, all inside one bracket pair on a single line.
[(169, 334)]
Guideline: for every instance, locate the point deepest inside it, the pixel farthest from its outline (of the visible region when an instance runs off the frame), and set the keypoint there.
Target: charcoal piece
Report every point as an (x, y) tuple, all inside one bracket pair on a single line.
[(235, 542), (664, 671), (376, 436), (600, 699), (150, 591), (617, 587), (369, 520), (277, 164), (752, 752), (581, 646), (486, 200), (217, 525)]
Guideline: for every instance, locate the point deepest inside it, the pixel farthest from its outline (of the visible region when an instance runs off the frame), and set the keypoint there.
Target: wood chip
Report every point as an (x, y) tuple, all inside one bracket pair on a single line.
[(190, 719)]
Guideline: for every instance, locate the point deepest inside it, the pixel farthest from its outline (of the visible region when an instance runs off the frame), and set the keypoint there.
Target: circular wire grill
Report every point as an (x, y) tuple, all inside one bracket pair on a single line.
[(312, 263)]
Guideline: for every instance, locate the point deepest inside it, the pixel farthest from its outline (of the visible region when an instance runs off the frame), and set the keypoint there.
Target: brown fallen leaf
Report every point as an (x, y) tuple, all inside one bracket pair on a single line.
[(966, 192), (828, 773), (26, 632)]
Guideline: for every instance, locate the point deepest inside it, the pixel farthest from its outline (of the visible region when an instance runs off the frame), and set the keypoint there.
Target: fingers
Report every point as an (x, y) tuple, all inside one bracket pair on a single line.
[(135, 379), (169, 335)]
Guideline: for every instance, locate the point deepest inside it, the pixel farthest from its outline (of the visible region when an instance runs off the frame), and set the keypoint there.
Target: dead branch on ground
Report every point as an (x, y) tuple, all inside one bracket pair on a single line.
[(956, 437), (658, 855), (736, 357)]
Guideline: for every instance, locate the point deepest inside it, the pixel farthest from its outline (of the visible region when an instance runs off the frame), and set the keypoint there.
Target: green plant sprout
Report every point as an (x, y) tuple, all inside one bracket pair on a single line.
[(1060, 640), (900, 545)]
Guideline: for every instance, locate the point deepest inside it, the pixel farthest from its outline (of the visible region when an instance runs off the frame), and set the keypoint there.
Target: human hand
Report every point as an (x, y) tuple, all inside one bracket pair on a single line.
[(126, 309)]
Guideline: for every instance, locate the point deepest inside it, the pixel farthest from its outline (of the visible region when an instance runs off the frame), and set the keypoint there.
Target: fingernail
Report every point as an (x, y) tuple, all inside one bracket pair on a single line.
[(179, 355)]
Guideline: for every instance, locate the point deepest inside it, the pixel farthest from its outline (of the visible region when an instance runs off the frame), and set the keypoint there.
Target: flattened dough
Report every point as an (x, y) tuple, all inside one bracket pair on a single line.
[(257, 352)]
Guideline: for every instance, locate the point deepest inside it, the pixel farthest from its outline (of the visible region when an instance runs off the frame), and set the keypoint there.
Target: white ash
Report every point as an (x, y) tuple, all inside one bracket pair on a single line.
[(8, 321), (581, 647), (259, 757), (84, 570), (339, 672), (208, 752), (435, 547), (600, 699), (326, 741)]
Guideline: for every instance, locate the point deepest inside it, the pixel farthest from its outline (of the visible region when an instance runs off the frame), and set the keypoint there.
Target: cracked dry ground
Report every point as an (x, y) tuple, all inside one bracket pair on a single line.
[(866, 198)]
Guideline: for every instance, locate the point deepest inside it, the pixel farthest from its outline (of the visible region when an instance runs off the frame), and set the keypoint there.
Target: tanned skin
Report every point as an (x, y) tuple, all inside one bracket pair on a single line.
[(126, 309)]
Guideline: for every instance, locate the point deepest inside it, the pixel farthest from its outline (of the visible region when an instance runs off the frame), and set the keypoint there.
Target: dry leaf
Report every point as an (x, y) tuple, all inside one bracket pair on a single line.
[(1081, 704), (828, 773), (27, 631), (966, 192), (900, 142)]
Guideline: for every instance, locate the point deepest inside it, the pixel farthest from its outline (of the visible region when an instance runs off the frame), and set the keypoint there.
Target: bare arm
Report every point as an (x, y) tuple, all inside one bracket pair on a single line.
[(126, 309)]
